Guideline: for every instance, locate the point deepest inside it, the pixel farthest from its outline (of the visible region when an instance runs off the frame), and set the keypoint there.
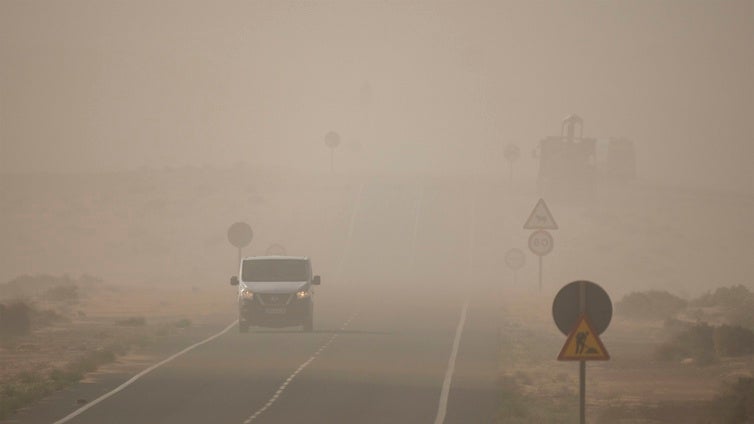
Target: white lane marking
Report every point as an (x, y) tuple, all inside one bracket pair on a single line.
[(442, 408), (417, 213), (351, 226), (142, 374), (301, 367)]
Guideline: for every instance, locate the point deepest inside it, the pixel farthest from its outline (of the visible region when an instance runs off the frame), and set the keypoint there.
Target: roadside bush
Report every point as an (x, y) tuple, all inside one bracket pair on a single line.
[(736, 404), (45, 317), (22, 390), (698, 342), (28, 387), (132, 322), (183, 323), (726, 297), (704, 343), (48, 285), (15, 319), (735, 305), (742, 315), (63, 294), (650, 305), (733, 341), (32, 285)]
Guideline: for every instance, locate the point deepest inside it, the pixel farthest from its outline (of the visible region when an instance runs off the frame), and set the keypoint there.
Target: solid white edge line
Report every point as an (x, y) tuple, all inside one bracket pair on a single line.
[(142, 374), (442, 408)]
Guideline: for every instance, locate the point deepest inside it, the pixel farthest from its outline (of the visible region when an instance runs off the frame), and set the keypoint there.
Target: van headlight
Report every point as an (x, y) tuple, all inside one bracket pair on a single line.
[(303, 294), (247, 294)]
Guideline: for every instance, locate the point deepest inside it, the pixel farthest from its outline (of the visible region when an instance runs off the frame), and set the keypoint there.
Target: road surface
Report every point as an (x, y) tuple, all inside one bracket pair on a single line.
[(405, 333)]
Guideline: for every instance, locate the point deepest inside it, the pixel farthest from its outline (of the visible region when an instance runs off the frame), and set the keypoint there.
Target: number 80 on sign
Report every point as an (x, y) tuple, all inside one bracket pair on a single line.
[(541, 243)]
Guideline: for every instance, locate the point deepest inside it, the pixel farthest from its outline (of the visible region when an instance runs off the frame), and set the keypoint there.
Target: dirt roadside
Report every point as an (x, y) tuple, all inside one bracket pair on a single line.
[(111, 329), (632, 387)]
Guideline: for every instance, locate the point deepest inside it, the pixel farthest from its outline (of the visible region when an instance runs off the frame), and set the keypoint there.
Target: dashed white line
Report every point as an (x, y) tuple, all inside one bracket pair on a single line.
[(142, 374), (301, 367)]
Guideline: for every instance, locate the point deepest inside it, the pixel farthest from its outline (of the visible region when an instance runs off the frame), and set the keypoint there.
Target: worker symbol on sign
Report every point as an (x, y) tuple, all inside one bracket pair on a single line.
[(581, 341), (583, 344)]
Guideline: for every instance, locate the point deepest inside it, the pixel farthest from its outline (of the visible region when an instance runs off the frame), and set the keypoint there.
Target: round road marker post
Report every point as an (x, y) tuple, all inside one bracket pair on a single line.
[(515, 259), (240, 235), (541, 244), (332, 140), (582, 310)]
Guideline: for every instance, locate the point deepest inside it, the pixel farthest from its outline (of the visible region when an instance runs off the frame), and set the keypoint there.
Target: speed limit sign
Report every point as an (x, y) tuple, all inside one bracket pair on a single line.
[(540, 243)]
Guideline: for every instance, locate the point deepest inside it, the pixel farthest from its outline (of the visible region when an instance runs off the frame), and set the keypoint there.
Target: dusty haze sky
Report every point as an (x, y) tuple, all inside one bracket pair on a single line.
[(112, 85)]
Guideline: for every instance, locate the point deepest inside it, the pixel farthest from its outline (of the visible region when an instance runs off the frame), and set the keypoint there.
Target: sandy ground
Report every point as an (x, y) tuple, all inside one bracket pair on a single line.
[(95, 325)]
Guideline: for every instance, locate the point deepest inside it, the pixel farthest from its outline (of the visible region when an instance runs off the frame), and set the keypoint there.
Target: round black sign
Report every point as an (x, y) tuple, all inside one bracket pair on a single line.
[(276, 250), (566, 308), (240, 234), (332, 139), (515, 259)]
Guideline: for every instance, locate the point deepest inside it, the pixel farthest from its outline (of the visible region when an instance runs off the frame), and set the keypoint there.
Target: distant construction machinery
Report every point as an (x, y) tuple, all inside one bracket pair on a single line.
[(571, 164)]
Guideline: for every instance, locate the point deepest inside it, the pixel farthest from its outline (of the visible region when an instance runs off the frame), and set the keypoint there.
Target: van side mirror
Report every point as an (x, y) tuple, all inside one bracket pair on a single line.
[(234, 281), (316, 280)]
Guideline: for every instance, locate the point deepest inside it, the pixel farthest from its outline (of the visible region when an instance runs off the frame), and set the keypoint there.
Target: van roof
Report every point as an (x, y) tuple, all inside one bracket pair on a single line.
[(257, 258)]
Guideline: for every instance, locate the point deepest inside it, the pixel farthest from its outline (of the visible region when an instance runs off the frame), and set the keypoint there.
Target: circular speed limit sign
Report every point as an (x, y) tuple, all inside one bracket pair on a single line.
[(515, 259), (540, 243)]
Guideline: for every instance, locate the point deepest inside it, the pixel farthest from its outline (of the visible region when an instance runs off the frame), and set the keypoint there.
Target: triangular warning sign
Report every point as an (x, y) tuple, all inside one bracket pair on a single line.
[(583, 344), (540, 218)]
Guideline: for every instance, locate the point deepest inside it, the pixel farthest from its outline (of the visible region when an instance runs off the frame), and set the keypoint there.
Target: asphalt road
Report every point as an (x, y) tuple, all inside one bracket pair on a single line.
[(405, 333)]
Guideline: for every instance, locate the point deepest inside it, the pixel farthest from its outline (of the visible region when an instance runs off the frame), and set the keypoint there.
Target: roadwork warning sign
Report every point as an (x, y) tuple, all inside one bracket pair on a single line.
[(540, 218), (583, 344)]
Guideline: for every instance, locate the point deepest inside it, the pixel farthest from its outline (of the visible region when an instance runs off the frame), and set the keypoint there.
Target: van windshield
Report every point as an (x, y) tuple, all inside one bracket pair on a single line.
[(275, 270)]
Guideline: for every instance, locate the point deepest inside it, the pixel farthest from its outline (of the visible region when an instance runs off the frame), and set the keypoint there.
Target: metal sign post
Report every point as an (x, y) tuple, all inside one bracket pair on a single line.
[(332, 140), (540, 273), (588, 306), (240, 235), (540, 243), (582, 363), (515, 259)]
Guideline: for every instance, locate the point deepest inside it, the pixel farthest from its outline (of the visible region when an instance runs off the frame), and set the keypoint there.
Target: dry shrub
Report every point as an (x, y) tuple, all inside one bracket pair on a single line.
[(15, 319), (697, 342), (735, 303), (733, 341), (736, 404), (725, 297), (132, 322), (63, 294), (704, 343), (652, 305)]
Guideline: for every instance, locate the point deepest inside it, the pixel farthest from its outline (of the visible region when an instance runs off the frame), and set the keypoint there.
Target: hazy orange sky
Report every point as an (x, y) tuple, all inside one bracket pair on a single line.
[(93, 85)]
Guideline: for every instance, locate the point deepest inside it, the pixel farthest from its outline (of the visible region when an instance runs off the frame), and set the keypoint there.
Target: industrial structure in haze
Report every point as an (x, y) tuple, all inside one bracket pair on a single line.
[(571, 164)]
